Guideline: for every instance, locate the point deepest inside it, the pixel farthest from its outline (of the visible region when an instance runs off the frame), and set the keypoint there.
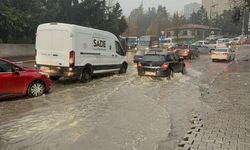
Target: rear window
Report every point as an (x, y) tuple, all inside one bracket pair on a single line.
[(154, 58), (140, 53), (182, 47), (221, 50)]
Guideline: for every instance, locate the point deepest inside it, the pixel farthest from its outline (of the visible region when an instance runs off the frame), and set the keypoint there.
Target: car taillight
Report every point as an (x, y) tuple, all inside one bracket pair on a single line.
[(164, 66), (139, 65), (71, 59)]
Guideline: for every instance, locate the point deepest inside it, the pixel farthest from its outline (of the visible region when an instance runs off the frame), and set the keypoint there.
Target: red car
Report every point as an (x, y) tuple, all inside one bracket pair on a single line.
[(16, 80)]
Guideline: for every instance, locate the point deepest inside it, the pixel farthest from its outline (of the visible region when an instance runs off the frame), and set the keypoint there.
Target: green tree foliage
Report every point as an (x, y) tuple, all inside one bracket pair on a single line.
[(142, 21), (156, 20), (201, 17), (225, 22), (152, 30), (19, 18)]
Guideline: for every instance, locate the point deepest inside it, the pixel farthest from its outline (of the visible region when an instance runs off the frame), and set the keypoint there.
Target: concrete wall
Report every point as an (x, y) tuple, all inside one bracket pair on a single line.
[(17, 50)]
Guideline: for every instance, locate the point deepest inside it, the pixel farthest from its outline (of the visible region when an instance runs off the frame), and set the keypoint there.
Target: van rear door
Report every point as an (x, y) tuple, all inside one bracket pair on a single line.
[(53, 47), (43, 47), (61, 46)]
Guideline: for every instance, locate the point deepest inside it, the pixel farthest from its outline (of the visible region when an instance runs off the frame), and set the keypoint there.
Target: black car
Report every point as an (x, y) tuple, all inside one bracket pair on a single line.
[(161, 64), (140, 53)]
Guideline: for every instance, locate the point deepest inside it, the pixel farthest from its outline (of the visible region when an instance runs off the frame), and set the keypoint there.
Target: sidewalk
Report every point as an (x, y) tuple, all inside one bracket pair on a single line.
[(228, 127)]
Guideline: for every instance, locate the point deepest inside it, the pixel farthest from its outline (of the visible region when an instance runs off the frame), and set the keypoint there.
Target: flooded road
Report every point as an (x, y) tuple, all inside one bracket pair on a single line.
[(125, 112)]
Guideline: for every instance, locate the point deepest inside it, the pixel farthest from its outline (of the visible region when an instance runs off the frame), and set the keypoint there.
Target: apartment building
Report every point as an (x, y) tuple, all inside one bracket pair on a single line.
[(214, 7), (190, 8)]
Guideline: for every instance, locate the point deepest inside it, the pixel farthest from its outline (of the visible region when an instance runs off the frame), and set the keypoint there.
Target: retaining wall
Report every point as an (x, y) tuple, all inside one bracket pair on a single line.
[(17, 50)]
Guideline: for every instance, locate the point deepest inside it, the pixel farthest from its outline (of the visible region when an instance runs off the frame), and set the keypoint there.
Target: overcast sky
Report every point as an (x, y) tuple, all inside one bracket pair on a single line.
[(171, 5)]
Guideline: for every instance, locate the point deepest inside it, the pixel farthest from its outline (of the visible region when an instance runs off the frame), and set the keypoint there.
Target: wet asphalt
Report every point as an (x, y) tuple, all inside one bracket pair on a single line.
[(124, 112)]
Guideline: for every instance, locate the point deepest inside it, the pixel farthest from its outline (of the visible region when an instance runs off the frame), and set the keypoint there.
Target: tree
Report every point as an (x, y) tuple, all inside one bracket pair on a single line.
[(116, 23), (152, 30), (163, 19), (158, 18), (177, 21), (19, 19), (200, 17), (224, 22)]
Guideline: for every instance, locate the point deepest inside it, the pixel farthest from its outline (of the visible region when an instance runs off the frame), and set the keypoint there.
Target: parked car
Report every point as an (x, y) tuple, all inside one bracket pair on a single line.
[(226, 54), (224, 42), (75, 51), (205, 46), (17, 81), (201, 43), (236, 40), (188, 52), (161, 64)]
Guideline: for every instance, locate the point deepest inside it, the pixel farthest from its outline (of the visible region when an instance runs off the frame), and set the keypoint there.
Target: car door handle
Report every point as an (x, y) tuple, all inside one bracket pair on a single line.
[(55, 55)]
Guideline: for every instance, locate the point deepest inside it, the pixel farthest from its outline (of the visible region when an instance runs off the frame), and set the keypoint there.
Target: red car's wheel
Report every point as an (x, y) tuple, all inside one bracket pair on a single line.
[(36, 88)]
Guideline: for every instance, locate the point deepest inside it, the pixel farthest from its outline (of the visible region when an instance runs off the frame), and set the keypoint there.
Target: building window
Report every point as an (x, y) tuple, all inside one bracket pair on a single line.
[(193, 32), (185, 33)]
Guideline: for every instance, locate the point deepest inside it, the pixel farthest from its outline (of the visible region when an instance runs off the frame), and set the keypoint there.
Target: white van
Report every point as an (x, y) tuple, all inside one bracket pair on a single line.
[(74, 51)]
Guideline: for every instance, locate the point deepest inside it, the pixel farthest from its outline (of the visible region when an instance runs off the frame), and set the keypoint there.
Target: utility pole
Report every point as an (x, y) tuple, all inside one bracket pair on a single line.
[(243, 22), (210, 18)]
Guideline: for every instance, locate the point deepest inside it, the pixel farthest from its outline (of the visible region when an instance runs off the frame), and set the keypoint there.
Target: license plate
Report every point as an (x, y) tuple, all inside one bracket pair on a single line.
[(150, 73)]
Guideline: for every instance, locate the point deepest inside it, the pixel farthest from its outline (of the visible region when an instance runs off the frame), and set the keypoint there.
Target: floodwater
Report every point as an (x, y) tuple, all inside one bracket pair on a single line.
[(113, 112)]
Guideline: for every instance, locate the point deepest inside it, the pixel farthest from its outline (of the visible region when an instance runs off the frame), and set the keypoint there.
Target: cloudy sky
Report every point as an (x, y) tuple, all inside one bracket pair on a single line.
[(171, 5)]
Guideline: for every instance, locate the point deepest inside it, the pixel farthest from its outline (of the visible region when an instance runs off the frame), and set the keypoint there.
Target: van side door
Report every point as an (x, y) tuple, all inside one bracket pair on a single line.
[(86, 52)]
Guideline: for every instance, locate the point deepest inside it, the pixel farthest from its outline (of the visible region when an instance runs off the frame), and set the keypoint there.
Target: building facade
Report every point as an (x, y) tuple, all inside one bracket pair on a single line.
[(190, 32), (215, 7), (190, 8)]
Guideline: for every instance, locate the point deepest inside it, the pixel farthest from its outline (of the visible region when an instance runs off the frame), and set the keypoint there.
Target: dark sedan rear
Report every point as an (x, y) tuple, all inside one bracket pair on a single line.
[(160, 65)]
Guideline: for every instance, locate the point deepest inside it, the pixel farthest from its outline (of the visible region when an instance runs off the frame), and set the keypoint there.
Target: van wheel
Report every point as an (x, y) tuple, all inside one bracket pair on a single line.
[(36, 88), (123, 69), (54, 78), (86, 75)]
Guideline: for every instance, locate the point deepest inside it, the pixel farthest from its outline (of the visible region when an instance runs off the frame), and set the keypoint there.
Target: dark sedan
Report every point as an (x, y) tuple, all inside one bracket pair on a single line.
[(161, 64)]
